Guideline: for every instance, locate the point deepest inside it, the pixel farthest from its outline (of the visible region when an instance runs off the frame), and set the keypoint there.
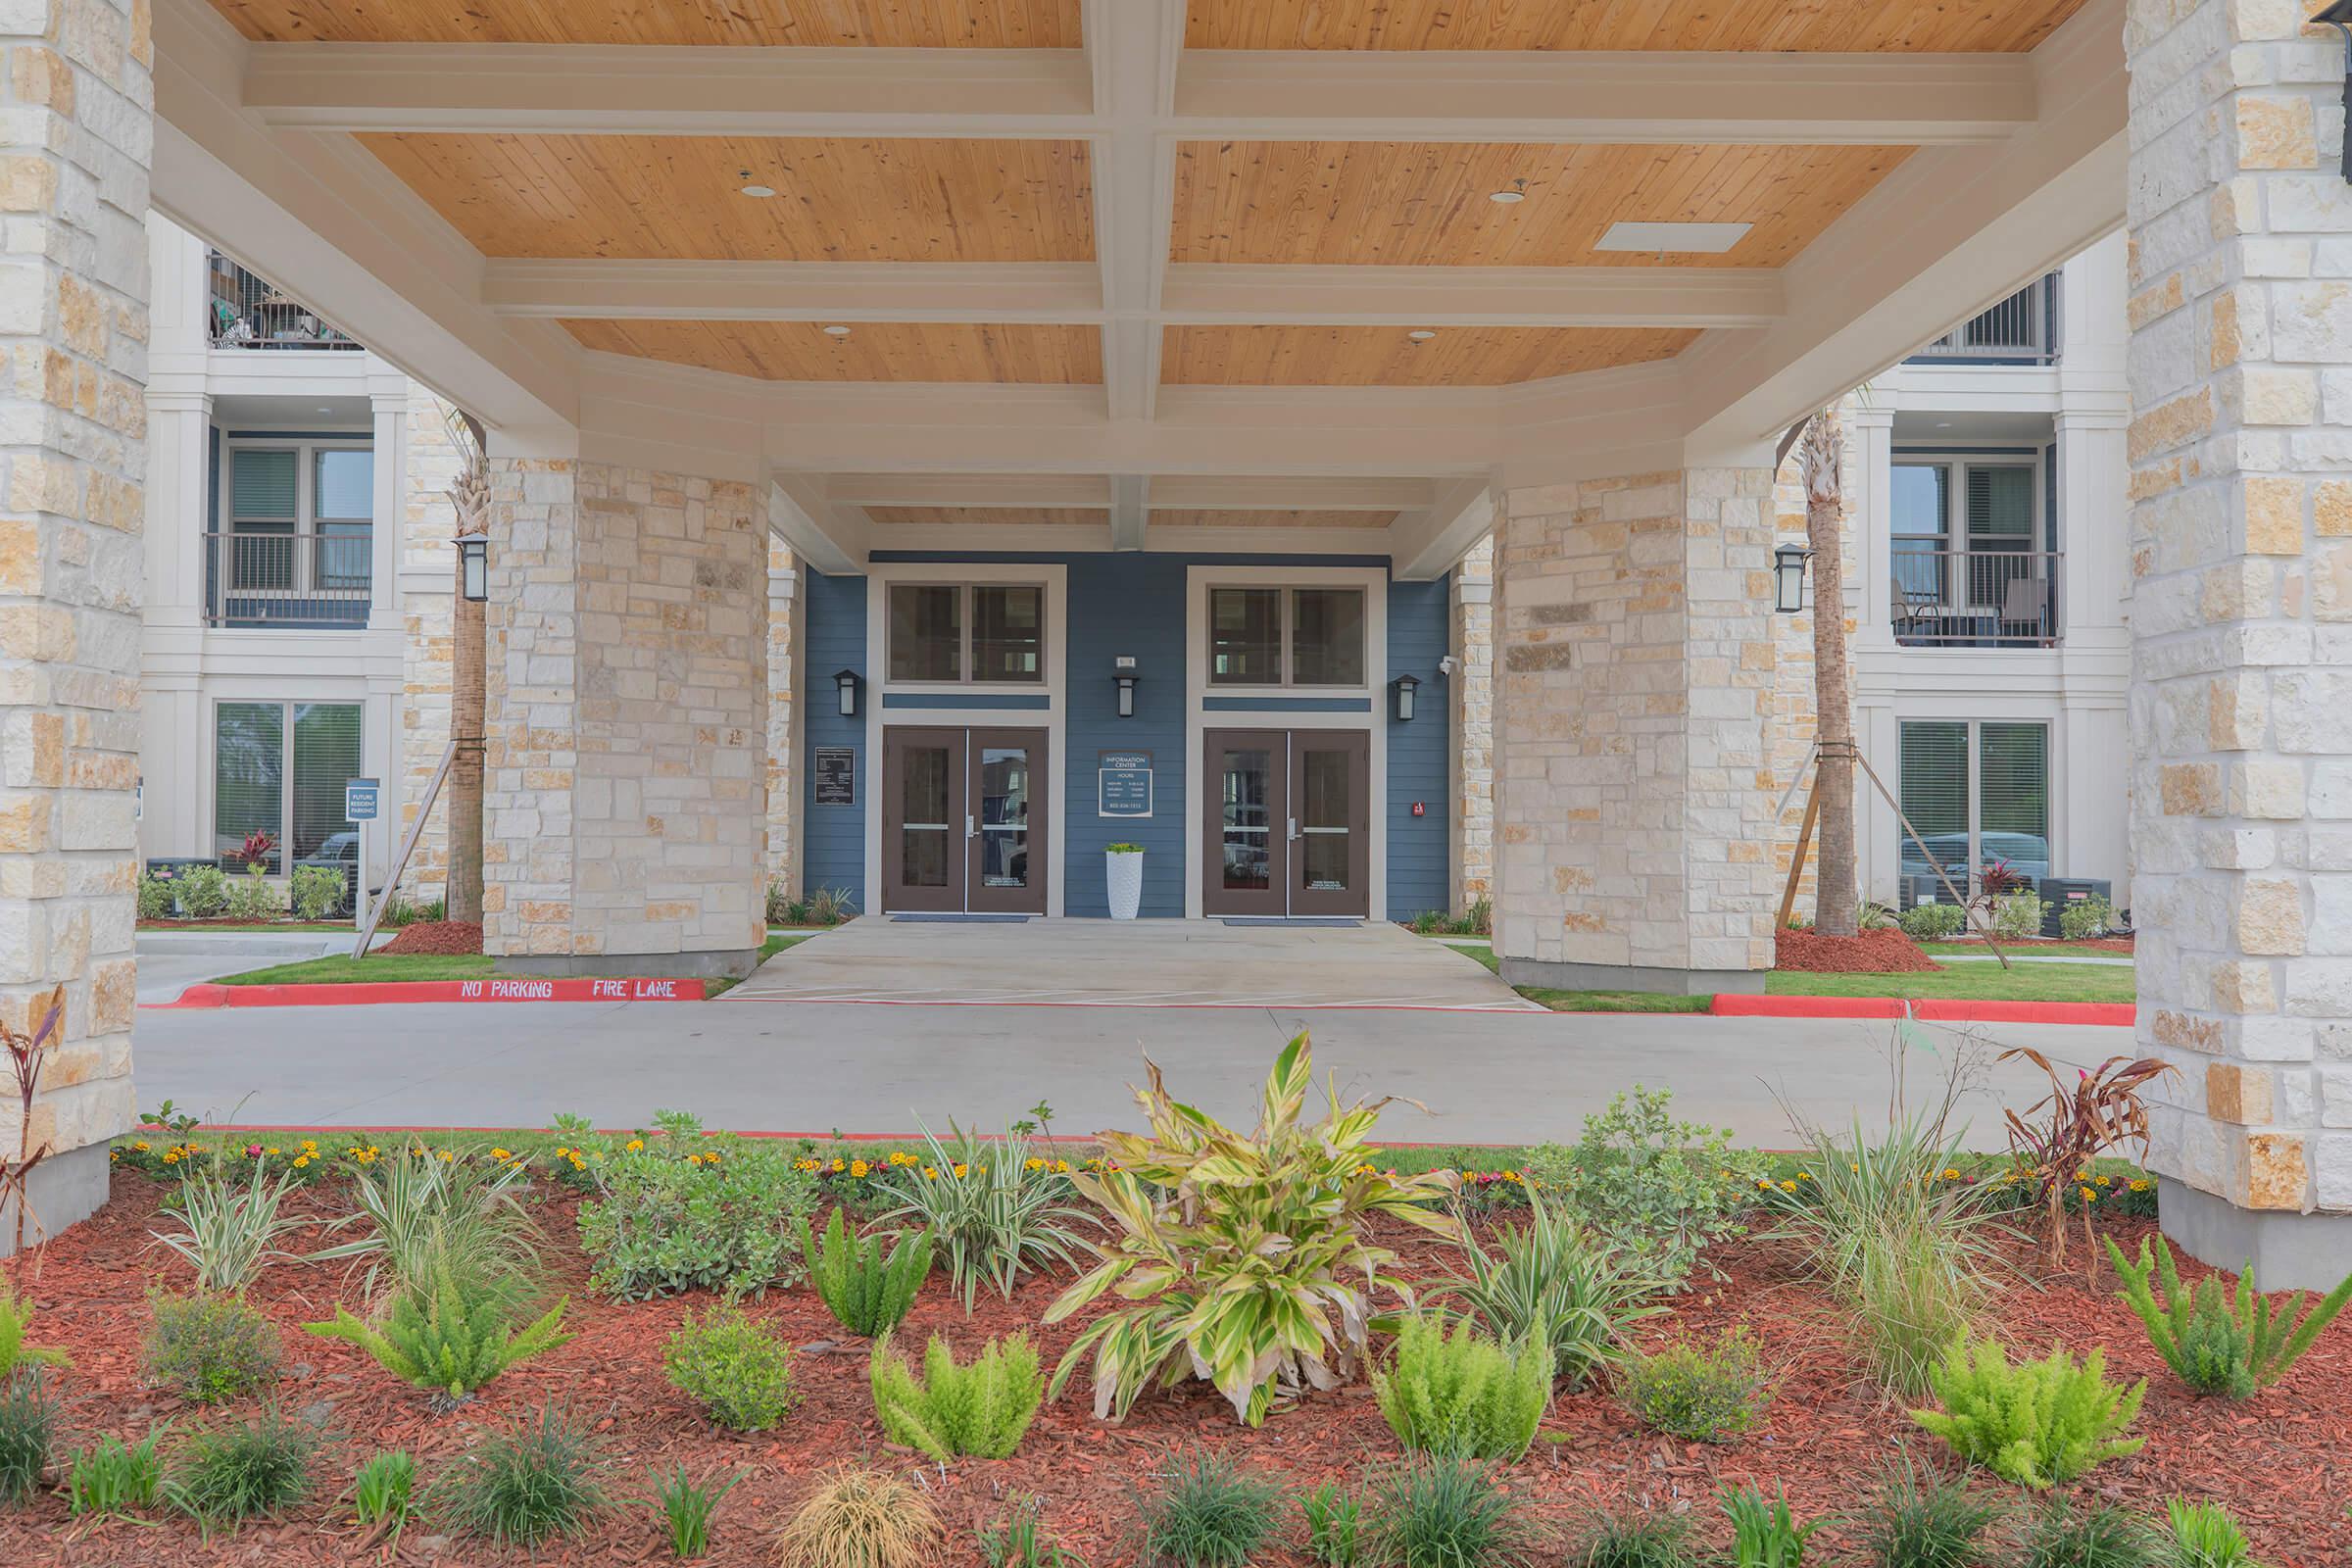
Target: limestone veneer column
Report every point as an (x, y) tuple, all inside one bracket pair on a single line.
[(1634, 793), (77, 132), (1471, 686)]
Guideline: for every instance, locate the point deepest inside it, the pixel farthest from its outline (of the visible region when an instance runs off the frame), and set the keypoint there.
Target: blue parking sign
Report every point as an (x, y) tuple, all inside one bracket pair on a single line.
[(361, 797)]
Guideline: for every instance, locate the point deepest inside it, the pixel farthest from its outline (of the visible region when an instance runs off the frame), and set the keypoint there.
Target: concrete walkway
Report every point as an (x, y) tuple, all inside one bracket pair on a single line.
[(171, 961)]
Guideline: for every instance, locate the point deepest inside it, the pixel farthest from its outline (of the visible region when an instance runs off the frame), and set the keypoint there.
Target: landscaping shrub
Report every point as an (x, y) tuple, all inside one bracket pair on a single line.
[(2017, 916), (1021, 1541), (2062, 1533), (861, 1519), (254, 896), (993, 1212), (1765, 1534), (242, 1470), (1708, 1392), (207, 1349), (2086, 919), (1933, 922), (1336, 1525), (422, 1209), (227, 1233), (27, 1430), (737, 1371), (452, 1335), (675, 1215), (1916, 1520), (686, 1506), (1631, 1537), (1657, 1190), (383, 1491), (866, 1294), (2204, 1536), (2034, 1423), (15, 1321), (1448, 1513), (202, 891), (315, 892), (2087, 1116), (108, 1480), (155, 897), (527, 1482), (1192, 1204), (1552, 1282), (2214, 1343), (1208, 1513), (980, 1410), (1463, 1396)]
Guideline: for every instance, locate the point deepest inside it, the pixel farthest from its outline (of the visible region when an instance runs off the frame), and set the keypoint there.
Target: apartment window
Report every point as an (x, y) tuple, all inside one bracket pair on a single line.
[(1977, 793), (984, 633), (1919, 510), (1285, 636), (279, 769), (303, 517)]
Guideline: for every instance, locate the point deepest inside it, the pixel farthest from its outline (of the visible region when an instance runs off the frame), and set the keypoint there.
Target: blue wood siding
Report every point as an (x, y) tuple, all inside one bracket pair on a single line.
[(1128, 606), (1419, 751), (833, 837)]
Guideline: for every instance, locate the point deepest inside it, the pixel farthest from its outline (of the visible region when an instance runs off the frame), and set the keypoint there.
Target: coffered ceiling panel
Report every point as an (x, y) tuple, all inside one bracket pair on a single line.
[(1385, 356), (1867, 25), (1430, 203), (884, 200), (885, 23), (874, 351), (991, 516)]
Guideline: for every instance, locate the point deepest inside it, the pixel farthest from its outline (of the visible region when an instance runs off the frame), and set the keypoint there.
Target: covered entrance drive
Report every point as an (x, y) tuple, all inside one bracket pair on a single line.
[(963, 824), (1287, 823)]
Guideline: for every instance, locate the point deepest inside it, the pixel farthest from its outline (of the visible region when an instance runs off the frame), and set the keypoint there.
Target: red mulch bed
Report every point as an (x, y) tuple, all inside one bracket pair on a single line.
[(1884, 950), (2274, 1459), (443, 937)]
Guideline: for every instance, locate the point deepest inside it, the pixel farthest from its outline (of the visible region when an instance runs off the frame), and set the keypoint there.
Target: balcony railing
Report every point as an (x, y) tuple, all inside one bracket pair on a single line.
[(252, 313), (1973, 597), (300, 581), (2020, 330)]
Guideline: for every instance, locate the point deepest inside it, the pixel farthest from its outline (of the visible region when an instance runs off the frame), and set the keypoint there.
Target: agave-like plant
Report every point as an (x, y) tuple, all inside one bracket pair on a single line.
[(1246, 1257)]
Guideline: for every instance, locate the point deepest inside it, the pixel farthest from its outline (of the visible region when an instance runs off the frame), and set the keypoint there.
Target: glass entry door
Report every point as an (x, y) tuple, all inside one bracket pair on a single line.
[(963, 820), (1288, 823)]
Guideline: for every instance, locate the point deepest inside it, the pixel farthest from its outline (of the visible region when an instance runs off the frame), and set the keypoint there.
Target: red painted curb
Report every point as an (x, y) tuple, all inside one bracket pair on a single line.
[(490, 987), (1927, 1009)]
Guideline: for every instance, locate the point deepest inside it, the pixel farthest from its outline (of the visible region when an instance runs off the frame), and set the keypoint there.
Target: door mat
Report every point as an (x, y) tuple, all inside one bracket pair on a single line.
[(1338, 921), (960, 919)]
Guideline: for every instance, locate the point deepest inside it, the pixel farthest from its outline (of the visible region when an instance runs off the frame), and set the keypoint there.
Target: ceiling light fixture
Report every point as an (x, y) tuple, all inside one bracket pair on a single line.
[(1509, 198), (837, 331), (1710, 239), (1420, 334), (752, 188)]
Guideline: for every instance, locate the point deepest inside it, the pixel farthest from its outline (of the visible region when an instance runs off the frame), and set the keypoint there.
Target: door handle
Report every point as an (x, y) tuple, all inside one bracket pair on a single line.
[(1294, 831), (968, 829)]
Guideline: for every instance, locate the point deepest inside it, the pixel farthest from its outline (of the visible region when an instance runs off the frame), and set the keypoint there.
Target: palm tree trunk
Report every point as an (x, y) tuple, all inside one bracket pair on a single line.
[(468, 627), (1834, 899)]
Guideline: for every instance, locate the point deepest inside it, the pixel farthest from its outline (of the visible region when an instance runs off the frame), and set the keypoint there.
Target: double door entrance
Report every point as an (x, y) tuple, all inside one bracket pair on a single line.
[(1288, 822), (963, 820)]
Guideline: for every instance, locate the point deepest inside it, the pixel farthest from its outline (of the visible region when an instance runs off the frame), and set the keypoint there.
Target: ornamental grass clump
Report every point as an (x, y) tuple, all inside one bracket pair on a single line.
[(422, 1209), (523, 1484), (2034, 1423), (2064, 1534), (981, 1408), (1208, 1513), (1765, 1532), (1923, 1520), (1631, 1537), (737, 1371), (207, 1349), (1448, 1513), (2204, 1536), (1336, 1525), (1554, 1282), (452, 1332), (227, 1233), (867, 1293), (1463, 1396), (110, 1479), (2214, 1341), (15, 1321), (686, 1505), (993, 1213), (27, 1430), (1702, 1391), (227, 1474), (383, 1491), (1247, 1257), (861, 1519)]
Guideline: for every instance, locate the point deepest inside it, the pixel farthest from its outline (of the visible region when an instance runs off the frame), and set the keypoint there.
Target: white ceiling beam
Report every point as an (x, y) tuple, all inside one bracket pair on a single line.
[(556, 89), (1027, 492), (1129, 493), (1564, 96), (1030, 492), (825, 536), (795, 291), (1131, 50), (1222, 493), (1425, 546)]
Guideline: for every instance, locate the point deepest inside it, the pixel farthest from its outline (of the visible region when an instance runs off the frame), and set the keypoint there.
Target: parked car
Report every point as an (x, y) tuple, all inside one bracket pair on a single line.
[(2025, 853)]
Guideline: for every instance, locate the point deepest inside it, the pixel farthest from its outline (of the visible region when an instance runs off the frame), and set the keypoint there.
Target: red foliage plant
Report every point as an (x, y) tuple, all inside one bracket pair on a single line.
[(257, 848), (25, 1051), (2100, 1112)]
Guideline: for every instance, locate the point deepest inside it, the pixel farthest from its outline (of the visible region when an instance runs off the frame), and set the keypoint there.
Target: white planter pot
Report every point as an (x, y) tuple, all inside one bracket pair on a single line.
[(1125, 873)]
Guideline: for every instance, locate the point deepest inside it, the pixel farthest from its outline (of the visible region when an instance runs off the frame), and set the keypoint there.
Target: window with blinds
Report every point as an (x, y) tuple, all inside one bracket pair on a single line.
[(263, 489), (2000, 525), (2013, 788), (326, 757), (1935, 797), (1996, 813), (279, 769)]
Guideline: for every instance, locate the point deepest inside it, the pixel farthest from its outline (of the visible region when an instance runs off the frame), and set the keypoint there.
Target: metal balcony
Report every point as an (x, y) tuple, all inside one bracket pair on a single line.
[(292, 581), (1973, 597), (252, 313), (2021, 329)]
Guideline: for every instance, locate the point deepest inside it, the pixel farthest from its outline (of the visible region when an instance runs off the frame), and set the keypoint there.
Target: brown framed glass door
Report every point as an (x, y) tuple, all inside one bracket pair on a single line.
[(1007, 848), (1245, 824), (923, 807), (1329, 861)]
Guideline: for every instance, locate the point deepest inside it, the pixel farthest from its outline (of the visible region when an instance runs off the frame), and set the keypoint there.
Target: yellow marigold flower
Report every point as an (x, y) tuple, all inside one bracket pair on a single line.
[(448, 1158), (310, 1146), (301, 1160), (2106, 1181), (2140, 1185), (636, 1144), (929, 1174), (1061, 1168), (858, 1167), (960, 1169), (140, 1145), (1788, 1187), (2088, 1196), (840, 1163), (1035, 1163), (1951, 1173), (1804, 1175)]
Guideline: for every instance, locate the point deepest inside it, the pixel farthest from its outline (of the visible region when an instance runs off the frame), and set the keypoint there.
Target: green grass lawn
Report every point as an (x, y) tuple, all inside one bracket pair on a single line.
[(2037, 950), (343, 969), (1613, 1001), (1976, 982), (296, 926)]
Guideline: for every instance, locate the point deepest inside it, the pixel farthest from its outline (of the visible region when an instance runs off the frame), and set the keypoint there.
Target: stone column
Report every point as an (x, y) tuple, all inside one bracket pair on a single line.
[(1632, 788), (2240, 371), (389, 405), (78, 133), (783, 585), (427, 597), (1472, 688), (625, 801)]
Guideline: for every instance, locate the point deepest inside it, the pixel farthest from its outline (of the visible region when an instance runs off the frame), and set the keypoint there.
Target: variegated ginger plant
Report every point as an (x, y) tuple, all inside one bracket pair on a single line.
[(1248, 1258)]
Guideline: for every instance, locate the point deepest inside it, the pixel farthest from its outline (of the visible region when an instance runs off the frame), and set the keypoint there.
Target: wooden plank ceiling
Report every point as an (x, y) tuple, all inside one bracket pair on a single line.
[(1425, 203), (878, 23), (872, 351), (1870, 26), (1386, 356)]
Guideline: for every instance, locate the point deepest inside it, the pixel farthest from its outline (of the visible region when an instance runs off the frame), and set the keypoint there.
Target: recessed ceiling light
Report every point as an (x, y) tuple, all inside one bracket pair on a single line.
[(1711, 239), (758, 193), (837, 331), (1516, 193), (324, 409), (1943, 425), (1420, 334)]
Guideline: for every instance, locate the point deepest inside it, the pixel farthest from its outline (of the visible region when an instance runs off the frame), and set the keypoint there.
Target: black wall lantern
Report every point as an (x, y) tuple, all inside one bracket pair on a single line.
[(2338, 15), (848, 682), (474, 567), (1788, 578), (1125, 675), (1404, 687)]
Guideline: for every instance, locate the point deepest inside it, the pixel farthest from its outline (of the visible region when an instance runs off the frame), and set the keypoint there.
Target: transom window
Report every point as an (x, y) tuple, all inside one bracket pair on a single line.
[(1285, 636), (977, 633)]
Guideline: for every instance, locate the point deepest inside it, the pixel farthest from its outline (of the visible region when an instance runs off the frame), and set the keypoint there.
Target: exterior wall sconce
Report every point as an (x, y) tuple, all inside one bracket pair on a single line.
[(1125, 675), (1404, 686), (2338, 15), (1789, 574), (473, 567), (848, 682)]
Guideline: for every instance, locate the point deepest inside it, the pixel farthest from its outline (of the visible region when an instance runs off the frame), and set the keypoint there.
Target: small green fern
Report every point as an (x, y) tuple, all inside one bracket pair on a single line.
[(867, 1293), (2034, 1423), (2217, 1343), (16, 1319), (454, 1336), (980, 1410), (1463, 1397)]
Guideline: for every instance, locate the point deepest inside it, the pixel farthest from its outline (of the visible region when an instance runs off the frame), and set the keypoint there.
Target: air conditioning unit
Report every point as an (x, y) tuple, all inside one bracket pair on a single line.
[(1913, 891), (2060, 891)]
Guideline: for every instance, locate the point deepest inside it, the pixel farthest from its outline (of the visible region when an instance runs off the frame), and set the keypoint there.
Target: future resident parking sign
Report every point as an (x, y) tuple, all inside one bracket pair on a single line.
[(362, 799)]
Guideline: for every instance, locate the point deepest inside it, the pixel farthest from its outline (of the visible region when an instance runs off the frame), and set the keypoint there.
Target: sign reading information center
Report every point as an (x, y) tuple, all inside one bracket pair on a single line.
[(1124, 784)]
